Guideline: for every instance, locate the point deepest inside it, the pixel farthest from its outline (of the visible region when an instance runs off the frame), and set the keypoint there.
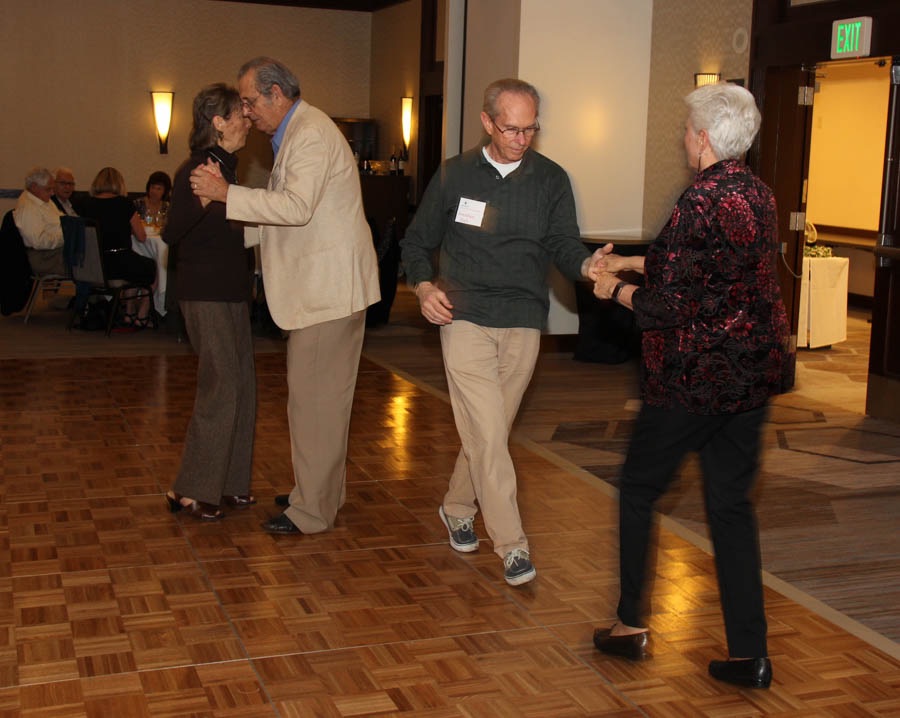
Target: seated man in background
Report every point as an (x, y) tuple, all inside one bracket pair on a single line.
[(64, 186), (38, 221)]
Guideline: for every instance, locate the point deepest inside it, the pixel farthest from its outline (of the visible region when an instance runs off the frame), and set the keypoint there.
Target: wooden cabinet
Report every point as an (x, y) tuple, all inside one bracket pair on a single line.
[(386, 204)]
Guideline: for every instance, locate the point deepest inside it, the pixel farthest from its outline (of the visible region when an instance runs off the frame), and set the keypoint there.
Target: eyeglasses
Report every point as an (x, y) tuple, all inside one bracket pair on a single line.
[(65, 183), (512, 132), (249, 103)]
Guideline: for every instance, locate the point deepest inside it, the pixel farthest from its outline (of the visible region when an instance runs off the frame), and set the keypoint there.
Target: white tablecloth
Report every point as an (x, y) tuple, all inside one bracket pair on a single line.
[(823, 301), (158, 251)]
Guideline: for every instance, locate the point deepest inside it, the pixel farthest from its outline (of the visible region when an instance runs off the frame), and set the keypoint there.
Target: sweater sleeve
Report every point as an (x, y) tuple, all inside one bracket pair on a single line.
[(185, 209), (563, 238), (424, 234)]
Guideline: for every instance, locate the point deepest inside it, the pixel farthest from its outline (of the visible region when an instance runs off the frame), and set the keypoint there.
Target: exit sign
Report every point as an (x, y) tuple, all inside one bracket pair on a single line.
[(851, 37)]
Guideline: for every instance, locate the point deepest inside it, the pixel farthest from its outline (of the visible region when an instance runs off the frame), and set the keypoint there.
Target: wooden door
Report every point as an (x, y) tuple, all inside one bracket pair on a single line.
[(782, 162), (883, 394)]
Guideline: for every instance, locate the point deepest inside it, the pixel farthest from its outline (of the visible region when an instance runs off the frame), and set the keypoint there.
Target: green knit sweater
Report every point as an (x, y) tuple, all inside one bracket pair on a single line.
[(495, 274)]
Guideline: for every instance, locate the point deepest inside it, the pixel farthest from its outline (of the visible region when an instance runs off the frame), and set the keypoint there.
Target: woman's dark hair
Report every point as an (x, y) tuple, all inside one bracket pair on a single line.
[(213, 100), (160, 177)]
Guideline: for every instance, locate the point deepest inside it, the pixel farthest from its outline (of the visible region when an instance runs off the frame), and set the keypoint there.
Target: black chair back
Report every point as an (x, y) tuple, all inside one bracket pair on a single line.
[(15, 270)]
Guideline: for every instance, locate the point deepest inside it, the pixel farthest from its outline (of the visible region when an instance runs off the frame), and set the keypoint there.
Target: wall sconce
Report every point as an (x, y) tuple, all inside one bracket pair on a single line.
[(706, 78), (162, 113), (406, 120)]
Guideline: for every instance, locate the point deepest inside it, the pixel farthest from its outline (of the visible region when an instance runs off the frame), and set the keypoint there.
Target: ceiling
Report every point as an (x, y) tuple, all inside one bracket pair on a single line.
[(355, 5)]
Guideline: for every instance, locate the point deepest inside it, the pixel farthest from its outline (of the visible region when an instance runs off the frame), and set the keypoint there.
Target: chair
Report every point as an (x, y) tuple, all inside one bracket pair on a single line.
[(85, 259), (15, 271), (43, 282), (22, 285)]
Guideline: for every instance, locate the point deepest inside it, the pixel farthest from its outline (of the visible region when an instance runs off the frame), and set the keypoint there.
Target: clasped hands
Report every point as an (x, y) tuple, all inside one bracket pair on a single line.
[(208, 183), (601, 268)]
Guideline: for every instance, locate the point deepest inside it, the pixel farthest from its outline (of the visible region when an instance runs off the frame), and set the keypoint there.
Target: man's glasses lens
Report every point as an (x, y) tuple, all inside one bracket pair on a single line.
[(512, 132)]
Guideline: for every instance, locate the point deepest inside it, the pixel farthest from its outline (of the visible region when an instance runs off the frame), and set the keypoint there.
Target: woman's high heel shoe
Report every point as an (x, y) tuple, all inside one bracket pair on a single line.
[(240, 501), (196, 509)]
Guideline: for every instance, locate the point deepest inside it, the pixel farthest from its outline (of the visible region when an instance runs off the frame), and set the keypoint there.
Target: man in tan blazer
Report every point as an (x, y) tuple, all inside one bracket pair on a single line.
[(320, 273)]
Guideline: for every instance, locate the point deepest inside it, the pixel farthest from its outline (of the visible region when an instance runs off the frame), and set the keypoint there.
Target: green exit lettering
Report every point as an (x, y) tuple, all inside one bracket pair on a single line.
[(848, 37)]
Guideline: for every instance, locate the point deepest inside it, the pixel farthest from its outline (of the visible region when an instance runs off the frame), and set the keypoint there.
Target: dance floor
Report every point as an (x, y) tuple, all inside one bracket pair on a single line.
[(111, 606)]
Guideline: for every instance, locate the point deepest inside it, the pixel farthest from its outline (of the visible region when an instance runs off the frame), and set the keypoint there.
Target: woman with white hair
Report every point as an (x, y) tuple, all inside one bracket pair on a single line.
[(714, 349)]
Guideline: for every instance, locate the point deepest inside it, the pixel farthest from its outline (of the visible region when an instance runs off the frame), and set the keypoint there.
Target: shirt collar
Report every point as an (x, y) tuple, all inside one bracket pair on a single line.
[(282, 127)]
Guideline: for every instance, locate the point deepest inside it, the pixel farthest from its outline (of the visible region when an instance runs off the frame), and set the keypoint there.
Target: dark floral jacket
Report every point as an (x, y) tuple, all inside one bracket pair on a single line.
[(715, 332)]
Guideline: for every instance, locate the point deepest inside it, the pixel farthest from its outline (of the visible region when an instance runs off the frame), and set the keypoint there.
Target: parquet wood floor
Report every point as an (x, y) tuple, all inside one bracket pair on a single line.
[(110, 606)]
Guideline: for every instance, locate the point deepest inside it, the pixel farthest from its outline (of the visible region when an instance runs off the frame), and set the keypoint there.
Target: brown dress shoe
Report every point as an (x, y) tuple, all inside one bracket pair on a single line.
[(241, 501), (632, 646)]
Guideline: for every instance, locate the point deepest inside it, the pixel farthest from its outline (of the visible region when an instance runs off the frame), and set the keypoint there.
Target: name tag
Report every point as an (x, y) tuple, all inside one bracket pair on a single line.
[(470, 211)]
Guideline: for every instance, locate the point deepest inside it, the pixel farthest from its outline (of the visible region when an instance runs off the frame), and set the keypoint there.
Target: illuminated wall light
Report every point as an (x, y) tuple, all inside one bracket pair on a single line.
[(162, 114), (706, 78), (406, 120)]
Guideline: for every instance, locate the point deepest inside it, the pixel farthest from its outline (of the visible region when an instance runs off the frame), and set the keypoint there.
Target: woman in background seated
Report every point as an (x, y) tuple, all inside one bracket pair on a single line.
[(154, 206), (153, 209), (212, 285), (117, 220)]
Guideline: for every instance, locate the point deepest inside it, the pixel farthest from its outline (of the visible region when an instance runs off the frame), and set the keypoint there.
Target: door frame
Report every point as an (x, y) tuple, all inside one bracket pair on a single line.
[(883, 386), (791, 39)]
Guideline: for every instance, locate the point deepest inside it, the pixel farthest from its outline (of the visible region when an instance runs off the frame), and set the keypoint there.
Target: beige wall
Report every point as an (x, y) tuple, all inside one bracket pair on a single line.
[(79, 92), (593, 113), (492, 52), (688, 36), (846, 158), (395, 73)]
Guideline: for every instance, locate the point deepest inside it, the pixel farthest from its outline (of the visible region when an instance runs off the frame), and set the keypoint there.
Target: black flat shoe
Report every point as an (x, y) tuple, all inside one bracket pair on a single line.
[(280, 524), (195, 509), (633, 647), (747, 672), (283, 500), (241, 501)]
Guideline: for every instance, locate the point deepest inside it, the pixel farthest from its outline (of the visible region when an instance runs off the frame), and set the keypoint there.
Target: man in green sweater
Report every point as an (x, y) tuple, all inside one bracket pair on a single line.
[(499, 215)]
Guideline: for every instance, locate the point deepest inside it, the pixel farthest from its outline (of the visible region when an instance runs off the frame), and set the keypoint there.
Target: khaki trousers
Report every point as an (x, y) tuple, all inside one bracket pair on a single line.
[(322, 363), (47, 261), (488, 370)]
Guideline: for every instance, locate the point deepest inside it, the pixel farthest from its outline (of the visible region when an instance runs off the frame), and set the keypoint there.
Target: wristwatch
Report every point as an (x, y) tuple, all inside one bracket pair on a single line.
[(617, 290)]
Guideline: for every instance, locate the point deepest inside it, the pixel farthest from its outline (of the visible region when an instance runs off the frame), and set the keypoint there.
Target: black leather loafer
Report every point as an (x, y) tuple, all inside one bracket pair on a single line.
[(633, 647), (283, 500), (280, 524), (748, 672)]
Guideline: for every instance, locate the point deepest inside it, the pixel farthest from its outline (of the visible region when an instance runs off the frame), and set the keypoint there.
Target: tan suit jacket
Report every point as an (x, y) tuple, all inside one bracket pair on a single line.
[(316, 249)]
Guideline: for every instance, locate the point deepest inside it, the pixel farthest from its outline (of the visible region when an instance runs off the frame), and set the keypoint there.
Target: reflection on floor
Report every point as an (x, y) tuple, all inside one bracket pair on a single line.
[(113, 606), (830, 487)]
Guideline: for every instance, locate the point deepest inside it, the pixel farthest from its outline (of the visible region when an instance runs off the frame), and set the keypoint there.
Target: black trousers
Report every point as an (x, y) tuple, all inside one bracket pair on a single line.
[(729, 447)]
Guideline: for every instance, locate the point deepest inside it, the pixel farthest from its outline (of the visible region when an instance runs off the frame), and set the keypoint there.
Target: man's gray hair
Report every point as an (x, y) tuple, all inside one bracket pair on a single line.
[(63, 170), (729, 115), (270, 72), (39, 176), (508, 84)]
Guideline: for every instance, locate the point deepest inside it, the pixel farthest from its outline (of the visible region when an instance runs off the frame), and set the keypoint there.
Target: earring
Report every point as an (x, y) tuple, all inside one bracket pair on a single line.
[(699, 155)]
